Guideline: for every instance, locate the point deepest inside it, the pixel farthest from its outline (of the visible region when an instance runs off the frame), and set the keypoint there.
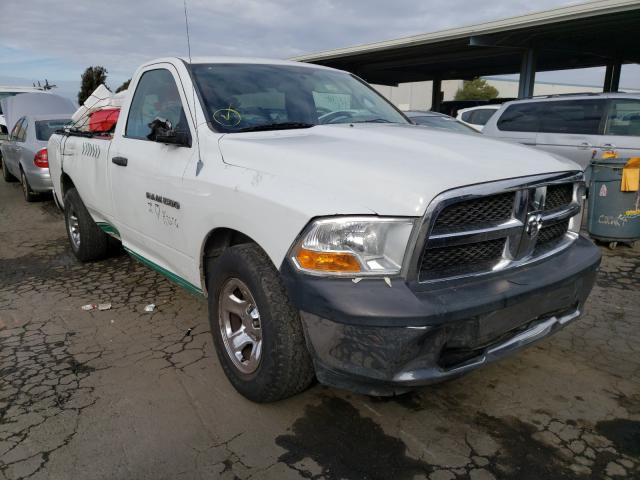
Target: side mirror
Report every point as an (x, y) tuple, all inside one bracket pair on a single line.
[(175, 137), (163, 132)]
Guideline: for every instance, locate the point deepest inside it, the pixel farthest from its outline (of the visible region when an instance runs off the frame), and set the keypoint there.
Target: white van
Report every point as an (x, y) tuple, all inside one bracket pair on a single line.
[(578, 127)]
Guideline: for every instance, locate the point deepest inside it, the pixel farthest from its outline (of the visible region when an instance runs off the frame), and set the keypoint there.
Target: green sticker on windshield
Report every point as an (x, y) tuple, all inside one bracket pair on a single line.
[(227, 117)]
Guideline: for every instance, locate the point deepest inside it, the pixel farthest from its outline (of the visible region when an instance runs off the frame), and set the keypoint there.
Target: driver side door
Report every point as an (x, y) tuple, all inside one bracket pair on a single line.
[(147, 175)]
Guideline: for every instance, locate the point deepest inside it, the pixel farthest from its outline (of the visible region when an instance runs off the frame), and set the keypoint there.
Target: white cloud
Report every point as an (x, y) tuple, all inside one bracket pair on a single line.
[(59, 39), (119, 34)]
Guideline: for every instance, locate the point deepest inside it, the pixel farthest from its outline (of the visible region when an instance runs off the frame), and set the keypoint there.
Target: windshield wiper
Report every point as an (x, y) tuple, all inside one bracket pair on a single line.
[(376, 120), (276, 126)]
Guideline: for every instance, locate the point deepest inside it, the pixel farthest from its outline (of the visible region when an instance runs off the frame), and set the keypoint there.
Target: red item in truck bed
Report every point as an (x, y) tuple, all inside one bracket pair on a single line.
[(103, 120)]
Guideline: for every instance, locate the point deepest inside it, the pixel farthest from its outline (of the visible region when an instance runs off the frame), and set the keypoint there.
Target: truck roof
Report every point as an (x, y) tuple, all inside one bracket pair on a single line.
[(253, 60)]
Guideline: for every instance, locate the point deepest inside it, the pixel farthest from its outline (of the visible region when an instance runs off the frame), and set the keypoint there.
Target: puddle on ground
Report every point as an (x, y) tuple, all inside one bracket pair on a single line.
[(347, 445), (624, 433)]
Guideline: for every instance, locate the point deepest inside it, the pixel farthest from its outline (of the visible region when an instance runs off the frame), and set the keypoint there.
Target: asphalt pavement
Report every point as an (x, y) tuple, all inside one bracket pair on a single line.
[(128, 394)]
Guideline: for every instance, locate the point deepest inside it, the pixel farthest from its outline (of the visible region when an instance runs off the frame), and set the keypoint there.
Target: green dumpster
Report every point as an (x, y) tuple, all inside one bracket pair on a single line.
[(613, 215)]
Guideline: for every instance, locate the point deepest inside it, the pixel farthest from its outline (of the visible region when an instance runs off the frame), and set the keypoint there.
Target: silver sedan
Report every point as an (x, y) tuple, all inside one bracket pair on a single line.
[(24, 155)]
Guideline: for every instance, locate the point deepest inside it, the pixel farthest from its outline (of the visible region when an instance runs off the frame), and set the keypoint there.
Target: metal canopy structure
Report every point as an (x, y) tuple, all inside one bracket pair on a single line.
[(599, 33)]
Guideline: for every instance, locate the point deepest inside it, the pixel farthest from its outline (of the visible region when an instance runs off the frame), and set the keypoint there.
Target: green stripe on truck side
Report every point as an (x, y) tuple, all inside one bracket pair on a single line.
[(108, 228), (191, 288)]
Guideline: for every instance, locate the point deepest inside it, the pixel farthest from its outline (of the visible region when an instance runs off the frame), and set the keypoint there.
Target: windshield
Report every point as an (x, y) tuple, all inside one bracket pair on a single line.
[(443, 123), (245, 97), (45, 128)]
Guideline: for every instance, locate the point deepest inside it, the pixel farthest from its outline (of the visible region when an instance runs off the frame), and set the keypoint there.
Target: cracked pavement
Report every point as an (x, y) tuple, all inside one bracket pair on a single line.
[(126, 394)]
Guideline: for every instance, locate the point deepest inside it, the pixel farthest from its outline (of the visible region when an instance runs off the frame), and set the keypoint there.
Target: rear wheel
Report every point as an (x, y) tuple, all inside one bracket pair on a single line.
[(6, 174), (29, 195), (256, 329), (88, 242)]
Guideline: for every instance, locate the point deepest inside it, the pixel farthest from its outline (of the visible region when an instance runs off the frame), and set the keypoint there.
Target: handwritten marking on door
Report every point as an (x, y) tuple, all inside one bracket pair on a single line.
[(161, 215)]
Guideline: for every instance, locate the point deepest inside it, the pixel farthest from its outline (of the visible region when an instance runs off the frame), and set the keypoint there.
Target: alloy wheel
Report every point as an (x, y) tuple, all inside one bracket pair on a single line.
[(240, 326), (73, 225)]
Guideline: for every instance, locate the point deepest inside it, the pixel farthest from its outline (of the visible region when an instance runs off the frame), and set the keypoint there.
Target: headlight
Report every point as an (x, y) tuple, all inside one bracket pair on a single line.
[(352, 246), (575, 223)]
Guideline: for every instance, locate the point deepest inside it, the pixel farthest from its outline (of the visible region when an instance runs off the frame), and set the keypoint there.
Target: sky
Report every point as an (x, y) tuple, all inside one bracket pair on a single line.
[(58, 40)]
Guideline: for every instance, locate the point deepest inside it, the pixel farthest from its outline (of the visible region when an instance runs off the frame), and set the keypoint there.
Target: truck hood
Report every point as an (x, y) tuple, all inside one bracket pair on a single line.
[(388, 169)]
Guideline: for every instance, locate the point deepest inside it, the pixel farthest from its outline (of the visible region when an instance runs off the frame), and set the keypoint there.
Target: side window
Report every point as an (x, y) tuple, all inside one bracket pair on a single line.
[(22, 133), (156, 96), (482, 116), (16, 129), (571, 116), (623, 118), (523, 117), (467, 117)]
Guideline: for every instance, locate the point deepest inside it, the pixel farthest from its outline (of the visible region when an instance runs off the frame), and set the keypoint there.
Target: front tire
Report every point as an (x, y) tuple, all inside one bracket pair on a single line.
[(88, 242), (29, 195), (256, 329)]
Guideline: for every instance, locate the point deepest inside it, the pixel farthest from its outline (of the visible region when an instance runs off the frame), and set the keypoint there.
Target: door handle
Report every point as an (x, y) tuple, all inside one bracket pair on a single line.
[(584, 146), (122, 161), (608, 146)]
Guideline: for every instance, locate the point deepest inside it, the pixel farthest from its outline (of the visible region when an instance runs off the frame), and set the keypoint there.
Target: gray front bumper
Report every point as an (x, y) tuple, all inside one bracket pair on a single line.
[(509, 312), (361, 361)]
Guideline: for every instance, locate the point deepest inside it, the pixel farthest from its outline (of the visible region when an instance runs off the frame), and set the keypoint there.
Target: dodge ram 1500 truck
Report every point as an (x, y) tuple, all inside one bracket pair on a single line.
[(331, 235)]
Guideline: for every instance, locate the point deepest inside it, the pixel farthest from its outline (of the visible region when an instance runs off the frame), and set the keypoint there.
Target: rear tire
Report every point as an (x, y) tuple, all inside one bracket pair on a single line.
[(283, 367), (88, 242), (6, 175), (29, 195)]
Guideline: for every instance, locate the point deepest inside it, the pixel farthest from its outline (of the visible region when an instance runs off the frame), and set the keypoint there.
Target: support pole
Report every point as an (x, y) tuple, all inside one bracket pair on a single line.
[(612, 77), (436, 94), (527, 74)]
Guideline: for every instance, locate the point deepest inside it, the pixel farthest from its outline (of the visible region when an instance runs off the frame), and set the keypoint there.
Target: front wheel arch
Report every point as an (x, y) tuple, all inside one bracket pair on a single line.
[(214, 244)]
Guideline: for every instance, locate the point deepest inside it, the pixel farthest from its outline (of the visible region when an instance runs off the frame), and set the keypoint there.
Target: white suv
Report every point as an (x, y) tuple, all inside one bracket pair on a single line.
[(578, 127)]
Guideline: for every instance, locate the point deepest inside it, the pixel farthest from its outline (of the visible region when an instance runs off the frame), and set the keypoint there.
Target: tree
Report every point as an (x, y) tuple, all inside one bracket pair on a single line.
[(92, 78), (124, 86), (476, 89)]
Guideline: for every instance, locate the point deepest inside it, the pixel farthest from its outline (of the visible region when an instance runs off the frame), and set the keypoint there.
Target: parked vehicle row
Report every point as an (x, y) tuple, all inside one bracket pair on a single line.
[(332, 236), (33, 118)]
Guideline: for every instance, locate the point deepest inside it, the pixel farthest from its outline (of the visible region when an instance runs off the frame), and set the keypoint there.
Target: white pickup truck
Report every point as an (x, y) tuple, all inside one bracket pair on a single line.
[(332, 237)]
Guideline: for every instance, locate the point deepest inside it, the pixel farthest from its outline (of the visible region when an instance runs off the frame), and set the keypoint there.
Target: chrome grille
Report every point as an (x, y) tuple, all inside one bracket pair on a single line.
[(558, 196), (550, 235), (492, 227), (494, 208), (470, 257)]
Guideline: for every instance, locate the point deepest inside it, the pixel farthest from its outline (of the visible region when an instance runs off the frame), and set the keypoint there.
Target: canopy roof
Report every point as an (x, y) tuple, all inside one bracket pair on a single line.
[(587, 35)]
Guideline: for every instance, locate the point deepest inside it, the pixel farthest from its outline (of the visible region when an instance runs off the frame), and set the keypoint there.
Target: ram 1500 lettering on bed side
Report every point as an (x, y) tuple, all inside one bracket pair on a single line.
[(332, 237)]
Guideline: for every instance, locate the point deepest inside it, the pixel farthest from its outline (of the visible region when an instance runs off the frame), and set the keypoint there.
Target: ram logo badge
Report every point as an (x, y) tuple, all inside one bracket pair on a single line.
[(164, 200)]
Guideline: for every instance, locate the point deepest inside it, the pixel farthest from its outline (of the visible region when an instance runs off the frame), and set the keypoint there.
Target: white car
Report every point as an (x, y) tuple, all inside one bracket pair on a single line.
[(331, 236), (477, 117), (8, 92)]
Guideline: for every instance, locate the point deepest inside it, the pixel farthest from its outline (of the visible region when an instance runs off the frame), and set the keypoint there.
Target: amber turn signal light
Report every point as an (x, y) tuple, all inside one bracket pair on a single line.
[(327, 261)]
